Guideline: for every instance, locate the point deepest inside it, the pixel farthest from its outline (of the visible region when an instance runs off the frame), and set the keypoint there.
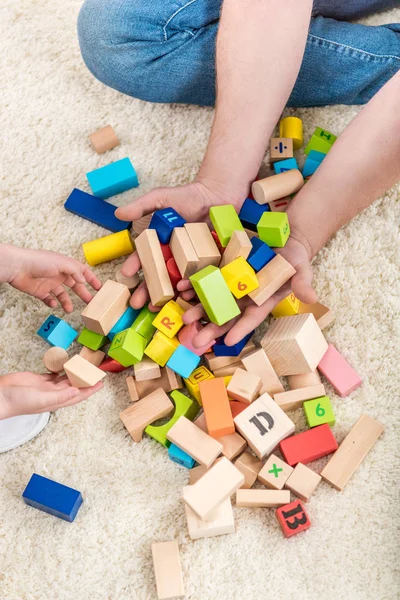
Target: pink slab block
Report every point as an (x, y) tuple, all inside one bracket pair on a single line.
[(338, 372), (186, 335)]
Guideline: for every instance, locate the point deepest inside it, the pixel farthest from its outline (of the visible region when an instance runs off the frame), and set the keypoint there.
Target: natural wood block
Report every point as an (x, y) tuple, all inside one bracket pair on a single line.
[(195, 442), (203, 244), (154, 268), (232, 444), (227, 371), (277, 186), (217, 362), (167, 570), (184, 253), (294, 345), (302, 482), (280, 205), (133, 393), (238, 245), (152, 407), (258, 363), (222, 521), (323, 315), (275, 473), (141, 224), (130, 282), (296, 398), (54, 359), (215, 401), (304, 380), (308, 445), (196, 473), (81, 373), (107, 306), (262, 498), (251, 233), (352, 452), (183, 304), (338, 372), (93, 356), (168, 381), (249, 466), (244, 386), (146, 369), (272, 277), (104, 139), (293, 518), (280, 148)]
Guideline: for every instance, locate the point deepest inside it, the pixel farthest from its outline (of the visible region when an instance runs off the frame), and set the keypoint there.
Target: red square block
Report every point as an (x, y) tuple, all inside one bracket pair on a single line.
[(293, 518), (309, 445), (338, 372)]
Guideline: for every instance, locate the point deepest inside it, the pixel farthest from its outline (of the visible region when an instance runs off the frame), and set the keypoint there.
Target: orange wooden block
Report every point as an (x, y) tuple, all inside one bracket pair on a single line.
[(232, 444), (216, 407)]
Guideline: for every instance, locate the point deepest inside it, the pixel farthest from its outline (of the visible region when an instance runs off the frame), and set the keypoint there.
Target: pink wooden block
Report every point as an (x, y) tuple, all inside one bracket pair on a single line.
[(186, 335), (338, 372)]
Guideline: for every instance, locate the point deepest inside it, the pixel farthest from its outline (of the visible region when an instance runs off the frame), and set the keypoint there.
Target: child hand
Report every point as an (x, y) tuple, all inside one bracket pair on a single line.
[(30, 393)]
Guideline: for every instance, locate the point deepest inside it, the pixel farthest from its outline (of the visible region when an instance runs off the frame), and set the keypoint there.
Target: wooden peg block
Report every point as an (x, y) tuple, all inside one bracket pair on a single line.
[(132, 389), (82, 373), (250, 467), (302, 482), (239, 245), (352, 452), (281, 148), (293, 518), (222, 521), (216, 407), (272, 277), (167, 570), (215, 296), (308, 445), (216, 362), (275, 473), (258, 363), (195, 442), (104, 139), (130, 282), (296, 398), (93, 356), (184, 253), (338, 372), (104, 310), (108, 248), (323, 315), (146, 369), (277, 186), (262, 498), (168, 381), (263, 424), (294, 344), (296, 382), (216, 485), (154, 268), (244, 386), (54, 359), (203, 244), (152, 407)]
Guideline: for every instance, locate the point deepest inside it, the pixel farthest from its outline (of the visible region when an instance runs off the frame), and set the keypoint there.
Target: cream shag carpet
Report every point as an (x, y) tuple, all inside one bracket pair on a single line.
[(132, 493)]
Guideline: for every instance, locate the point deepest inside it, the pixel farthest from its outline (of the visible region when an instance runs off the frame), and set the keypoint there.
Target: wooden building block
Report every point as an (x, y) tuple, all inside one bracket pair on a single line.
[(294, 344), (173, 272), (250, 213), (92, 340), (127, 347), (203, 244), (152, 407), (184, 406), (108, 248), (52, 497), (192, 382), (321, 141), (169, 319), (236, 407), (164, 221), (280, 205), (232, 444), (183, 361), (154, 268), (82, 373), (272, 277), (183, 304), (104, 139), (238, 245), (323, 315), (216, 485), (227, 371), (293, 518), (180, 457), (143, 324), (104, 310), (132, 389), (96, 210), (304, 380), (146, 369), (302, 482), (225, 221), (216, 407), (280, 148), (166, 251), (260, 255), (216, 362), (319, 411), (292, 127), (221, 349), (188, 333), (338, 372), (112, 179), (249, 466), (191, 439), (222, 521), (280, 166), (168, 381), (130, 282), (286, 307), (196, 473), (161, 348), (57, 332), (167, 570), (244, 386), (275, 473), (141, 224), (184, 253), (273, 229), (352, 452), (277, 186), (109, 365), (94, 357), (240, 277), (296, 398), (258, 363), (54, 359), (308, 445), (215, 296), (262, 498)]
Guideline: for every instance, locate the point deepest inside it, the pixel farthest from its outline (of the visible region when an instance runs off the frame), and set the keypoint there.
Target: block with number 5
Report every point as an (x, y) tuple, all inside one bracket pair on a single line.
[(293, 518), (240, 277)]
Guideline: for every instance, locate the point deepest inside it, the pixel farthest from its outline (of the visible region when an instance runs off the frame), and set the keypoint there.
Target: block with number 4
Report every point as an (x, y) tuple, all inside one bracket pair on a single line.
[(319, 411), (293, 518), (240, 277), (273, 229)]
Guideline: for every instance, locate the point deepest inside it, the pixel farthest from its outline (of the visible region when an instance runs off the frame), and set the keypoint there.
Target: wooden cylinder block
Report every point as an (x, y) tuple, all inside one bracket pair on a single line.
[(54, 359), (108, 248), (275, 187), (292, 127), (104, 139)]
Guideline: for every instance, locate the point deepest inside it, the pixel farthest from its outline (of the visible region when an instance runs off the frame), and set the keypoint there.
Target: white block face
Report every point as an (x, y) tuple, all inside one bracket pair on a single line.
[(264, 425)]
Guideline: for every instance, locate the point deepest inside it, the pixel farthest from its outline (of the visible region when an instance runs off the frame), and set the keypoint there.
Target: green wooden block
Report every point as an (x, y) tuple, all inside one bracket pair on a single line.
[(273, 229), (325, 135), (319, 411), (127, 347), (92, 340), (225, 221), (321, 140), (214, 294), (184, 406), (143, 324)]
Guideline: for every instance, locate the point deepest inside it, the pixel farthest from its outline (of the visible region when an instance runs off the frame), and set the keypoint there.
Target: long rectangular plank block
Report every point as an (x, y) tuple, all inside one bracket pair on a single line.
[(203, 244), (262, 498), (338, 372), (104, 310), (167, 570), (195, 442), (184, 253), (295, 398), (271, 277), (153, 266), (308, 445), (217, 410), (112, 179), (152, 407), (259, 364), (95, 210)]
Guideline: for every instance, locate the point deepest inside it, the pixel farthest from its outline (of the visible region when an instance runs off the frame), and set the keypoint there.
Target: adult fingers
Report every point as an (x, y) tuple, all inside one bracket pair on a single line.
[(140, 296), (131, 265), (148, 203)]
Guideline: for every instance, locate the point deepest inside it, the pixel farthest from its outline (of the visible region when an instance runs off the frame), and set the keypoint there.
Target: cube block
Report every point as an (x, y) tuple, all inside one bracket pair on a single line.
[(169, 319), (251, 212), (164, 221), (57, 332), (161, 348), (183, 361), (260, 255), (127, 347), (285, 165), (143, 324), (92, 340), (273, 229), (240, 277), (293, 518), (319, 411)]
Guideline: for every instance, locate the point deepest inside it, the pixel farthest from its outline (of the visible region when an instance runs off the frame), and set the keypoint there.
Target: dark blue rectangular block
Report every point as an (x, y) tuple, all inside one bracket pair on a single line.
[(52, 497), (220, 349), (164, 222), (95, 210), (251, 212), (260, 254)]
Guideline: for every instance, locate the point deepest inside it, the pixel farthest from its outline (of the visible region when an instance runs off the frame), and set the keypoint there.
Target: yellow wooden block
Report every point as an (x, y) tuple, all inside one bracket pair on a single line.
[(292, 127), (161, 348), (108, 248), (286, 307), (227, 380), (240, 277), (192, 383), (169, 319)]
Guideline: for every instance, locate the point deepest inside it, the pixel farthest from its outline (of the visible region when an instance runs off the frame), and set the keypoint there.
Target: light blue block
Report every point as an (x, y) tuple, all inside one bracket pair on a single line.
[(183, 361), (317, 156), (285, 165), (181, 457), (310, 166), (57, 332), (115, 178), (125, 321)]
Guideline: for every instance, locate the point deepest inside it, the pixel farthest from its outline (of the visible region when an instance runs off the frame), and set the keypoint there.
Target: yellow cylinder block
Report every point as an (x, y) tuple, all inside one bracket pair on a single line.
[(292, 127), (108, 247)]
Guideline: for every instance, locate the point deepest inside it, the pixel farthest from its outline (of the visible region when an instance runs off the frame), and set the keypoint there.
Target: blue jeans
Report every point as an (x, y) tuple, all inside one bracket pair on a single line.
[(164, 50)]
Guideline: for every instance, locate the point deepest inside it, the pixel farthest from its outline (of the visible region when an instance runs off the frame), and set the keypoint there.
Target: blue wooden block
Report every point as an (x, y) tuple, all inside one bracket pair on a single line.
[(95, 210), (310, 166), (317, 156), (251, 212), (164, 221), (115, 178), (52, 497), (220, 349), (285, 165), (181, 457), (260, 254), (125, 321), (57, 332), (183, 361)]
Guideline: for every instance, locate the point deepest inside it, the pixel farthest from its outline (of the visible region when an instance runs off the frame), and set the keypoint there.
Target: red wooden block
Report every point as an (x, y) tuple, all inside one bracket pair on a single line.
[(293, 518), (216, 240), (338, 372), (237, 407), (166, 250), (173, 272), (112, 366), (309, 445), (186, 335)]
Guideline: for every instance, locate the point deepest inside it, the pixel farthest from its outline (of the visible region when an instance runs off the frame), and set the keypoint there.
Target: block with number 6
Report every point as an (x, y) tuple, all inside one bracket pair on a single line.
[(240, 277), (319, 411)]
